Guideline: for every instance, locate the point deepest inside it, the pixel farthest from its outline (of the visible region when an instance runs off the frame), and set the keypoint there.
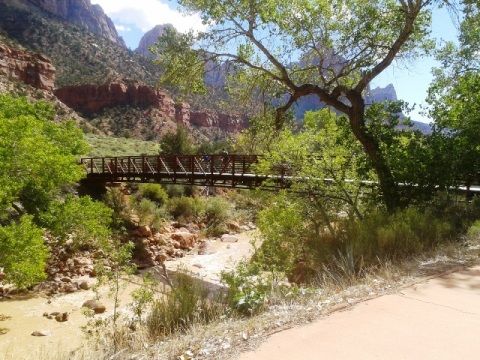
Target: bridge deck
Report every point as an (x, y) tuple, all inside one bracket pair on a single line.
[(238, 171), (204, 170)]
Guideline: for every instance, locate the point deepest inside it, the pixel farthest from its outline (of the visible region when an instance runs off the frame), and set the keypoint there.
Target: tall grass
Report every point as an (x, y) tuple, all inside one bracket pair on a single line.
[(354, 245), (188, 303)]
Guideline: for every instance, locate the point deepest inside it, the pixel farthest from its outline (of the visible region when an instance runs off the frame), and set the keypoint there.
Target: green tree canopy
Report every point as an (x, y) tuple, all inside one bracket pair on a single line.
[(37, 156), (330, 49), (176, 143), (37, 159), (23, 252), (454, 97)]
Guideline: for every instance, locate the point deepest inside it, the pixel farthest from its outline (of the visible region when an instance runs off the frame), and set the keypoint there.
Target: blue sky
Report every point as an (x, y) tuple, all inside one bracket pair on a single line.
[(134, 17)]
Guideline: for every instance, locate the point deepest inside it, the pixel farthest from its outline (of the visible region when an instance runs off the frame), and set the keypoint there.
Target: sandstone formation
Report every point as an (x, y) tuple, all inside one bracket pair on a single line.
[(33, 69), (150, 38), (91, 99), (82, 13), (226, 122), (182, 113)]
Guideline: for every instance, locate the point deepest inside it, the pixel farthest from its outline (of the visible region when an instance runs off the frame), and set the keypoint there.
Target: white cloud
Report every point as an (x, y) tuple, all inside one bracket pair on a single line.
[(145, 14), (123, 28)]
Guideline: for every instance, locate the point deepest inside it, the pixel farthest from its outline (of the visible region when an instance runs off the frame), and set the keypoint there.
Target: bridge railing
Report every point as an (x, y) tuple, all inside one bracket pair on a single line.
[(237, 169)]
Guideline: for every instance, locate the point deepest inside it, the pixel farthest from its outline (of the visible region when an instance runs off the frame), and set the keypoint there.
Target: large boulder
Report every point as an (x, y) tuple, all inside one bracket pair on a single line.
[(94, 305), (187, 240)]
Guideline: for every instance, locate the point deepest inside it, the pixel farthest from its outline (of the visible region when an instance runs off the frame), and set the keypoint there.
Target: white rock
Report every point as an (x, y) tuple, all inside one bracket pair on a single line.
[(229, 238)]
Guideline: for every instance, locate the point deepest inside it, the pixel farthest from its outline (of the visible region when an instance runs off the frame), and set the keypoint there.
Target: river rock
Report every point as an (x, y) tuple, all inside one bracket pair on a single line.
[(233, 226), (229, 238), (95, 305), (42, 333), (206, 248), (84, 285), (186, 239), (62, 317), (161, 257), (144, 231)]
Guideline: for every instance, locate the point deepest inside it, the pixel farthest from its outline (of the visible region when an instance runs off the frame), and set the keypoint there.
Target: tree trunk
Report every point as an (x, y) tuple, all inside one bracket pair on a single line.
[(388, 187)]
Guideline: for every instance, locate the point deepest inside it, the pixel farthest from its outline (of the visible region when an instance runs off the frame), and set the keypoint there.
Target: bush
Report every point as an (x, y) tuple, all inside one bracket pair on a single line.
[(247, 288), (186, 304), (186, 208), (473, 233), (216, 213), (175, 190), (86, 221), (145, 210), (153, 192), (115, 200), (302, 250), (23, 254), (396, 236)]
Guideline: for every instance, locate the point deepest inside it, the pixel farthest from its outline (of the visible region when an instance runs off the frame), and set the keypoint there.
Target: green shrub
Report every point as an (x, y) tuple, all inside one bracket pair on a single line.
[(405, 233), (153, 192), (115, 200), (186, 208), (297, 247), (247, 288), (85, 221), (188, 303), (175, 190), (217, 211), (23, 254), (145, 210), (473, 233), (160, 215)]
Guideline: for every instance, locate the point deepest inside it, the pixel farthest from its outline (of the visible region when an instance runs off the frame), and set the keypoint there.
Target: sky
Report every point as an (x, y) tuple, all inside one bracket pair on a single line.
[(133, 18)]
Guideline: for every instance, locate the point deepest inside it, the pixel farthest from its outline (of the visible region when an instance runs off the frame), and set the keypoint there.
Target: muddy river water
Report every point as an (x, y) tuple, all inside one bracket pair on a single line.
[(21, 316)]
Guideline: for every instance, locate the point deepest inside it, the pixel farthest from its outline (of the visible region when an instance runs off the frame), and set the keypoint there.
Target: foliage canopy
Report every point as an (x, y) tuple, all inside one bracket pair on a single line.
[(330, 49)]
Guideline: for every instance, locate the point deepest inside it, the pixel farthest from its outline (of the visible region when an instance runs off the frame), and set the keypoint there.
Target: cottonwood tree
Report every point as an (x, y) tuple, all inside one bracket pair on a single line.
[(454, 97), (329, 49), (37, 156), (38, 160)]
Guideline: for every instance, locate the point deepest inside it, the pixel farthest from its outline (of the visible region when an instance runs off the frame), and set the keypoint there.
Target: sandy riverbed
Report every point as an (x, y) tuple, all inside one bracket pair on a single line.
[(21, 316)]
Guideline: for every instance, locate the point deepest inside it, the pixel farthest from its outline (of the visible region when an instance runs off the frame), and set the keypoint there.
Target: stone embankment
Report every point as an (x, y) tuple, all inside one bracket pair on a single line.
[(70, 270)]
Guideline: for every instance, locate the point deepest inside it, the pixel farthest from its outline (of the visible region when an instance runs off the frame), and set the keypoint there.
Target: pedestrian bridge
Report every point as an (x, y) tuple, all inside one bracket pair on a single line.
[(237, 171)]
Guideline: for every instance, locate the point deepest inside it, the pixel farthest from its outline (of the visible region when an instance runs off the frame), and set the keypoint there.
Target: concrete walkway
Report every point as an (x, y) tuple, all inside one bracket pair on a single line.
[(437, 319)]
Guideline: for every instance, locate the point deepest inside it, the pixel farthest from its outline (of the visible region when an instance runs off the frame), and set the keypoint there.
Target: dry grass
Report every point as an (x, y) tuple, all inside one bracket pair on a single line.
[(227, 337)]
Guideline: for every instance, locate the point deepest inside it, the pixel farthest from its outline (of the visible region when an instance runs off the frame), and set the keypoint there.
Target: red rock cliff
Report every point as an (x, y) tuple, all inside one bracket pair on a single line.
[(90, 99), (227, 122), (33, 69)]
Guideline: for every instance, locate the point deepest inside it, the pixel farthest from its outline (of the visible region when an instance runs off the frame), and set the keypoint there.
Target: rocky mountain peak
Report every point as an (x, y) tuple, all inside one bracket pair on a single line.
[(379, 94), (82, 13), (150, 38)]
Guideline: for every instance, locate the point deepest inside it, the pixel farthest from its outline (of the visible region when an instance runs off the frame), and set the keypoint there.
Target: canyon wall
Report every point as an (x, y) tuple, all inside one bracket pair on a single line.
[(33, 69)]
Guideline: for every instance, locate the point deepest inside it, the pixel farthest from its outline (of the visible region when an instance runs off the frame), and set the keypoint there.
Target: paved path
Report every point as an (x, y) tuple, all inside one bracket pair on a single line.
[(437, 319)]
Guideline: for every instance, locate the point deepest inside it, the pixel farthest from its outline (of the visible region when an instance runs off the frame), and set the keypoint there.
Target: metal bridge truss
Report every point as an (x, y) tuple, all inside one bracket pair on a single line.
[(203, 170)]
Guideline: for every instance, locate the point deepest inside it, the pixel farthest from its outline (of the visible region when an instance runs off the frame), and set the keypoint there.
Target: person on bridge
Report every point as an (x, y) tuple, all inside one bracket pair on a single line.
[(225, 159)]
